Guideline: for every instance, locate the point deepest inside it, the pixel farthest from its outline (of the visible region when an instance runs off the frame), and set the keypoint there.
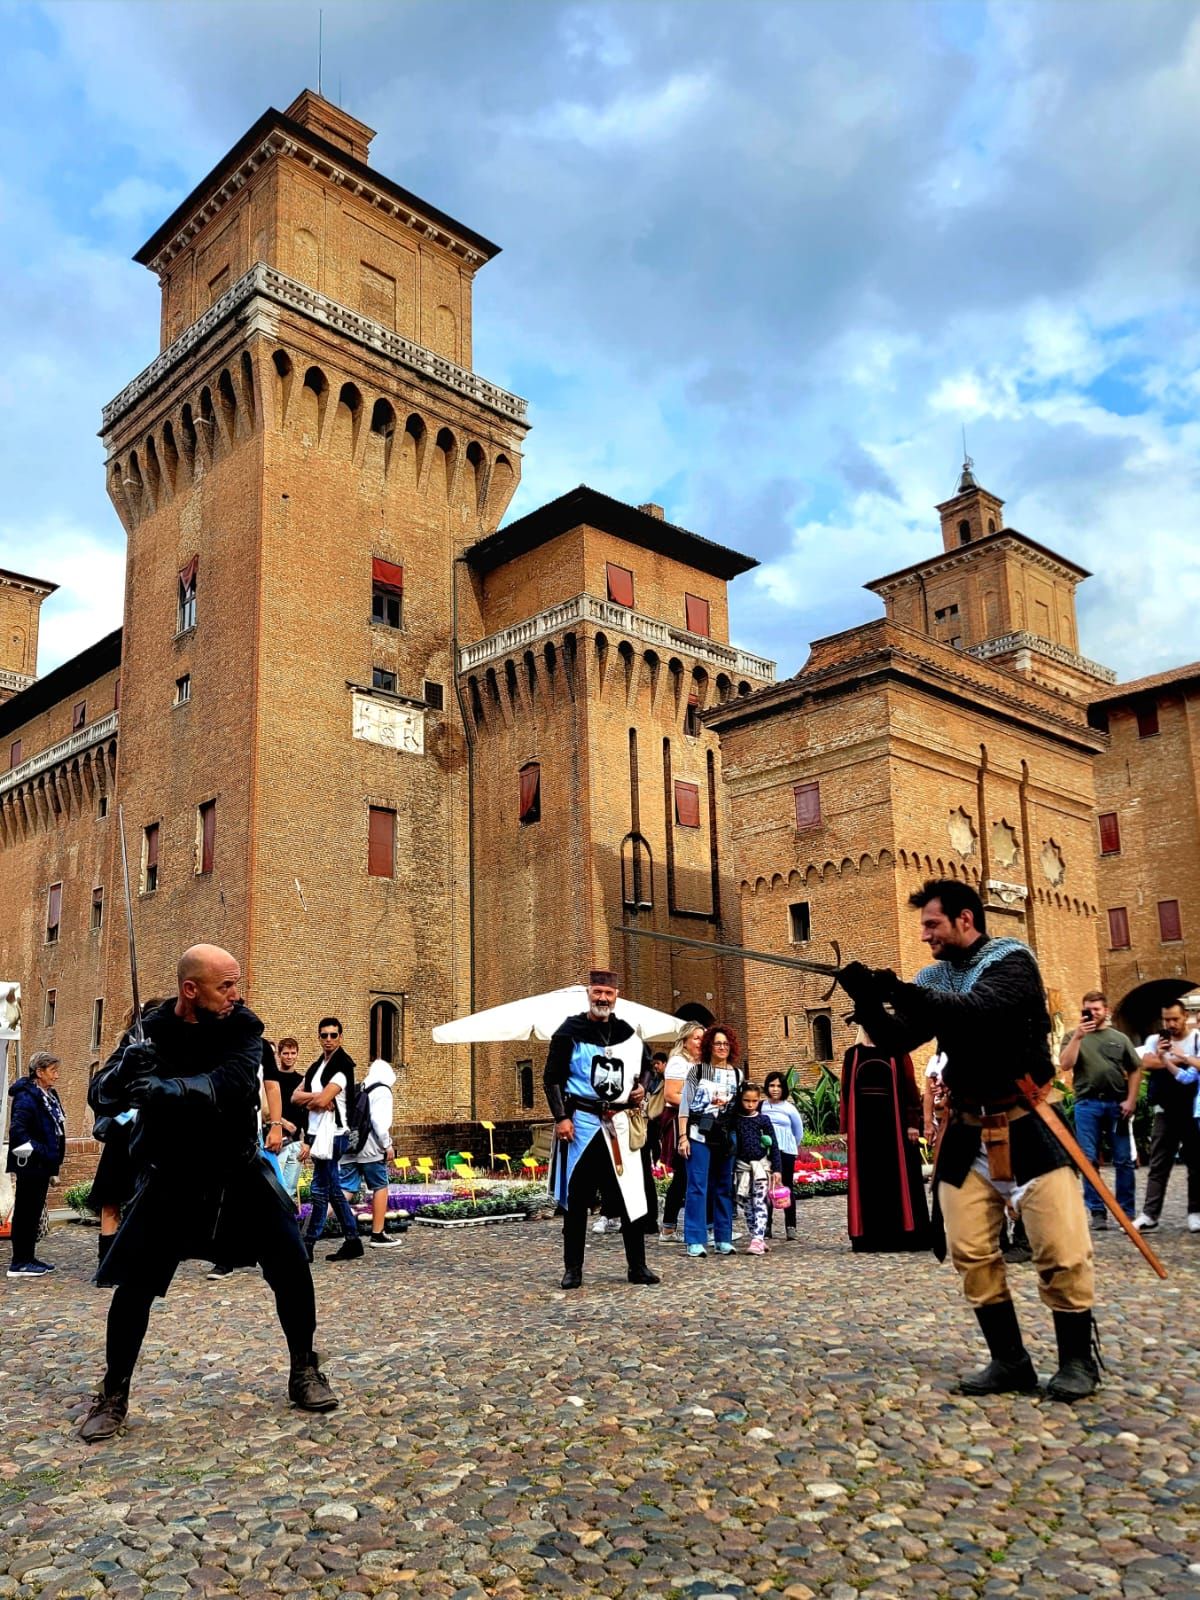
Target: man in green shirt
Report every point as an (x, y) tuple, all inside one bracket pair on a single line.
[(1107, 1072)]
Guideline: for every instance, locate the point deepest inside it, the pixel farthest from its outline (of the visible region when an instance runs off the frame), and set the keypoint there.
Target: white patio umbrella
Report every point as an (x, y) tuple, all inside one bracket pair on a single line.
[(537, 1016)]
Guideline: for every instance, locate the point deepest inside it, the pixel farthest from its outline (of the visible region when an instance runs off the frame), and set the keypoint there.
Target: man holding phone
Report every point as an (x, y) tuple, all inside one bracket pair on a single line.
[(1107, 1073)]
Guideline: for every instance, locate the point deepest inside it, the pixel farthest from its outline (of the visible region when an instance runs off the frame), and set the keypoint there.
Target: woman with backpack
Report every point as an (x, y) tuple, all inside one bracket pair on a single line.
[(705, 1143), (327, 1097)]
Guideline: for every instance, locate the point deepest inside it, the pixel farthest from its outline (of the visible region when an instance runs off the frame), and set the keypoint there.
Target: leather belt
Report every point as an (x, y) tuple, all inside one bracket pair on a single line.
[(979, 1116)]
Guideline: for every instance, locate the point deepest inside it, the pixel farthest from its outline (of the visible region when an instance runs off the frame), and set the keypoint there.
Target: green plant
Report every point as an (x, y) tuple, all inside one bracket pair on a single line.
[(461, 1210), (821, 1103), (77, 1198)]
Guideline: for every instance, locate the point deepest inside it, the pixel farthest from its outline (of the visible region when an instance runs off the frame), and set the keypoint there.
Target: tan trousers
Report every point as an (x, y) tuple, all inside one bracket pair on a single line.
[(1056, 1222)]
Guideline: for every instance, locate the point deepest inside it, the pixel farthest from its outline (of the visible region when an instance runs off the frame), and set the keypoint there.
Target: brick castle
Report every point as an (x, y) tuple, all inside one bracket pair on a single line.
[(406, 762)]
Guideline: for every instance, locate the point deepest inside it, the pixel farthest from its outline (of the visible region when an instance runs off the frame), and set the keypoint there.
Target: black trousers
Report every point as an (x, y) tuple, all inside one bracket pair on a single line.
[(275, 1240), (676, 1191), (32, 1187), (1174, 1130), (593, 1172)]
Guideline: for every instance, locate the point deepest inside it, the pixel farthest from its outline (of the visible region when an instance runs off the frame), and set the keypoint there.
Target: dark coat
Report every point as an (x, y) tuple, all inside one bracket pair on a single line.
[(203, 1187), (32, 1122)]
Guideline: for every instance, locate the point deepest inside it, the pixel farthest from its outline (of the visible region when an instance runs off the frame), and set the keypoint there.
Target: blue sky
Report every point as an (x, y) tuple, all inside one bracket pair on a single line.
[(761, 263)]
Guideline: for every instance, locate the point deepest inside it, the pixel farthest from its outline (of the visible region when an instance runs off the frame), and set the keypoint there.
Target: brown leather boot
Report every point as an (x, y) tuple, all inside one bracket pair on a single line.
[(107, 1416), (308, 1387)]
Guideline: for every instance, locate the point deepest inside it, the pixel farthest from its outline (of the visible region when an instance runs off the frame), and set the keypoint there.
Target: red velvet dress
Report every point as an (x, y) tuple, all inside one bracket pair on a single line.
[(886, 1208)]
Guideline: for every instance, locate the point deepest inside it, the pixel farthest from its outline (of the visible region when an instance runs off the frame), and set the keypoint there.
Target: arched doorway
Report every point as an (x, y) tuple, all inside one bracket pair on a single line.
[(693, 1011), (1138, 1013)]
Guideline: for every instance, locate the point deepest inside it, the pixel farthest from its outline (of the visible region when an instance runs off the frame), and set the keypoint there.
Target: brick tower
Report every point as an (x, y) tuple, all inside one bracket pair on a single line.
[(297, 471), (20, 608)]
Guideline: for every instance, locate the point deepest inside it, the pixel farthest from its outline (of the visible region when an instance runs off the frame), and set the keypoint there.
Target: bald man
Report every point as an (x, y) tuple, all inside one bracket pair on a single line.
[(204, 1189)]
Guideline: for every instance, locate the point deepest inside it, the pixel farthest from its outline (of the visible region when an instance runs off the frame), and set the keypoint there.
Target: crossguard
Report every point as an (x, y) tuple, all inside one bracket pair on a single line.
[(837, 961)]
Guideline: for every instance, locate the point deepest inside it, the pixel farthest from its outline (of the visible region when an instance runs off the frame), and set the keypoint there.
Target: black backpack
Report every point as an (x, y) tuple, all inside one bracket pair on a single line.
[(358, 1117)]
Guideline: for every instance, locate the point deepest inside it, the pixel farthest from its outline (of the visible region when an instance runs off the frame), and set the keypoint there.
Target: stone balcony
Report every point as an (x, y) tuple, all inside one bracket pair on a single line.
[(82, 739), (14, 682), (1012, 644), (618, 620)]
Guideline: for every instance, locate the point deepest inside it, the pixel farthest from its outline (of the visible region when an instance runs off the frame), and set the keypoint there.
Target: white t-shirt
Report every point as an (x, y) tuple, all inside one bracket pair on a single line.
[(324, 1126), (675, 1071), (937, 1064)]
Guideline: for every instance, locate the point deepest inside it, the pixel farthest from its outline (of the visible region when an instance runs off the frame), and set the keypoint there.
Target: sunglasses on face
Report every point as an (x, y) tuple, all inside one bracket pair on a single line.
[(327, 1036)]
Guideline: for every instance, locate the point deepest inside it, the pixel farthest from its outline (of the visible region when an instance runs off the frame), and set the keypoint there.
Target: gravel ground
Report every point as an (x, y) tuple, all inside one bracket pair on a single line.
[(780, 1426)]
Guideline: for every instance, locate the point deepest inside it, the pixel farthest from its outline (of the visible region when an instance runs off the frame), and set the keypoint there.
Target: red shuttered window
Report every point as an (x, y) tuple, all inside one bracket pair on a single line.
[(687, 805), (696, 614), (14, 752), (387, 575), (207, 836), (150, 859), (381, 843), (808, 805), (1110, 834), (620, 586), (530, 793), (53, 912), (1170, 927), (1118, 928)]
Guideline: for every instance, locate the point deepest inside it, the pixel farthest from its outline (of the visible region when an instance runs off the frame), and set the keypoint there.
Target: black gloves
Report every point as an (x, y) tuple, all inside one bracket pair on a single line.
[(155, 1093), (867, 986), (859, 982)]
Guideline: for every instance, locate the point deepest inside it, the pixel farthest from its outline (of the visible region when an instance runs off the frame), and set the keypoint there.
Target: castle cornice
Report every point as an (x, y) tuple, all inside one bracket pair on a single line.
[(1007, 539), (264, 286), (26, 584), (276, 134), (616, 619), (98, 732), (1013, 643)]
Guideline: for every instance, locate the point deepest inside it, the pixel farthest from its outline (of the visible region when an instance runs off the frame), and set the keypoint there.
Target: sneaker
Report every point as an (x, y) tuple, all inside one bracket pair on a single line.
[(1194, 1221), (711, 1239), (724, 1249), (756, 1247), (791, 1233), (214, 1273), (692, 1250), (1145, 1223), (28, 1269), (1099, 1221), (670, 1235), (349, 1250), (737, 1232), (382, 1241), (46, 1266)]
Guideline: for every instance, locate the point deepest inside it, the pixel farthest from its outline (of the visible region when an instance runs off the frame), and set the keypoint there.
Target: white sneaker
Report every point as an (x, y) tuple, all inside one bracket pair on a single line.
[(1194, 1221), (601, 1226), (1145, 1224)]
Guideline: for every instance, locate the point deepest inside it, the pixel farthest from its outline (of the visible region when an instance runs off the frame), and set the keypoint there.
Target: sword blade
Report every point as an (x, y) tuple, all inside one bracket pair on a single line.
[(135, 1028), (1035, 1098), (825, 969)]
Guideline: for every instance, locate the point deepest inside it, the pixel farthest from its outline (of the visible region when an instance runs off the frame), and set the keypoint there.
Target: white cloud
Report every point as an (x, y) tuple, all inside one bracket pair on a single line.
[(629, 119), (89, 572)]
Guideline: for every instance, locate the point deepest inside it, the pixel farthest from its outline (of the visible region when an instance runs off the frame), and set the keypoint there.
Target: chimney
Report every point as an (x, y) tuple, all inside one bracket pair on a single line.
[(654, 511), (322, 117)]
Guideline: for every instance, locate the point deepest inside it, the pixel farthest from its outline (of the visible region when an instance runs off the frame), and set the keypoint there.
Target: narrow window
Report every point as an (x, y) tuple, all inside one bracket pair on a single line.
[(525, 1079), (150, 859), (530, 793), (97, 909), (102, 806), (800, 922), (183, 689), (15, 750), (1147, 722), (691, 717), (97, 1022), (206, 836), (696, 614), (186, 614), (687, 804), (1170, 928), (387, 593), (381, 678), (964, 532), (620, 585), (53, 912), (381, 843), (822, 1036), (1118, 928), (808, 805), (116, 694), (51, 1006), (383, 1031), (435, 695), (1110, 834), (78, 716)]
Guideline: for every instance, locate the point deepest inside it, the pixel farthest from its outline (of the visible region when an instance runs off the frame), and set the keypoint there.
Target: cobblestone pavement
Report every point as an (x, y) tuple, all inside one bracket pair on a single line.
[(780, 1426)]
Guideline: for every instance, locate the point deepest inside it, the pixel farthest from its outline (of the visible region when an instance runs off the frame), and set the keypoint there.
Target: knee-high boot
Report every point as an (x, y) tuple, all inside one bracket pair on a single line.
[(1010, 1369), (1078, 1369)]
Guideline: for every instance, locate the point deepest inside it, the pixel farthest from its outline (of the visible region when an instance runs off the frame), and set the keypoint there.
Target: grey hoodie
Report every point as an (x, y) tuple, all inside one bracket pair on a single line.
[(382, 1111)]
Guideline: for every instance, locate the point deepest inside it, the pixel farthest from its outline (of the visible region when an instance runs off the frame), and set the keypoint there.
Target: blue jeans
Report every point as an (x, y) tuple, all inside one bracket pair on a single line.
[(708, 1176), (1092, 1118), (326, 1191), (290, 1166)]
